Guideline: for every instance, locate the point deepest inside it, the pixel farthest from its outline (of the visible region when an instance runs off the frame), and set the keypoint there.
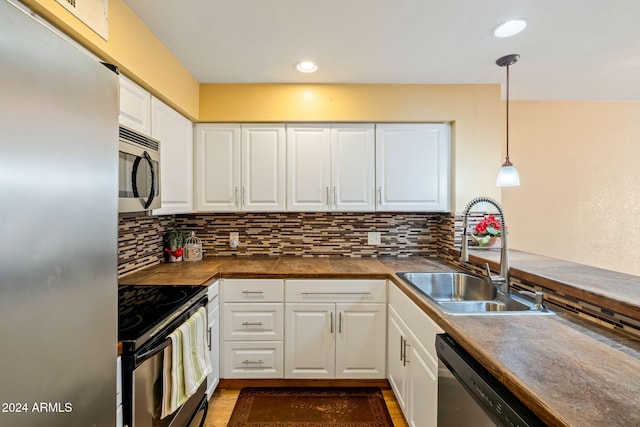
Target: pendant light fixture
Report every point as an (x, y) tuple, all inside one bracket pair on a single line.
[(508, 175)]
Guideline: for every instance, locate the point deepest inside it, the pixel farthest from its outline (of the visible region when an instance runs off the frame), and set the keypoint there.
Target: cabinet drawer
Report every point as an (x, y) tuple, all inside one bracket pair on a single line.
[(250, 290), (335, 290), (250, 322), (253, 360)]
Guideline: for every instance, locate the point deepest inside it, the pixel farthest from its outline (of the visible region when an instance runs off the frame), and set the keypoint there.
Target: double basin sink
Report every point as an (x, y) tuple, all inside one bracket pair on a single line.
[(460, 293)]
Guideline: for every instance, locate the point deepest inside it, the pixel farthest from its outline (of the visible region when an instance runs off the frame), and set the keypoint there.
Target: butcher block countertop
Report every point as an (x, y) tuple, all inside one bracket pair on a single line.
[(569, 371)]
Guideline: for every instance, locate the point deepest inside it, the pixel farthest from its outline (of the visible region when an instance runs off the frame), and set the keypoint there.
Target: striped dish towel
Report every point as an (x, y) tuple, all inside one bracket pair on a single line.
[(195, 356), (173, 394), (186, 362)]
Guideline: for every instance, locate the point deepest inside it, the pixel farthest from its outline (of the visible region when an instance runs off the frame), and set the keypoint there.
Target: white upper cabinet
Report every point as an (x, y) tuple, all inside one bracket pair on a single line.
[(240, 167), (263, 168), (308, 167), (217, 168), (175, 134), (331, 167), (413, 167), (135, 106), (352, 167)]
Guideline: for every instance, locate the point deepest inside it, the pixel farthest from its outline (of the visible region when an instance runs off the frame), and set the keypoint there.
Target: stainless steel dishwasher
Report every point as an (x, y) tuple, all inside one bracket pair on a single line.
[(468, 395)]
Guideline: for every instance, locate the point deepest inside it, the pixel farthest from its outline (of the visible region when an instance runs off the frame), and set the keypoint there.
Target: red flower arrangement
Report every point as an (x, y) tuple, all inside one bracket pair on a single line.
[(487, 229)]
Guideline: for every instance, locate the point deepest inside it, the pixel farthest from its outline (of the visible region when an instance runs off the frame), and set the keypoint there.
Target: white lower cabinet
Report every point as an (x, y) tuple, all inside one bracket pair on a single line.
[(213, 335), (413, 367), (310, 341), (335, 329), (253, 328)]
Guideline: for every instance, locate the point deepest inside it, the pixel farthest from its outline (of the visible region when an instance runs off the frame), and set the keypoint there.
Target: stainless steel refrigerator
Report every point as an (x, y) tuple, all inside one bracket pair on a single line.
[(58, 229)]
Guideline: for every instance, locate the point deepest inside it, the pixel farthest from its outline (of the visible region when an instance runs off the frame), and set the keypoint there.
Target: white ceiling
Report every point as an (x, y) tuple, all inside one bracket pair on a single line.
[(571, 49)]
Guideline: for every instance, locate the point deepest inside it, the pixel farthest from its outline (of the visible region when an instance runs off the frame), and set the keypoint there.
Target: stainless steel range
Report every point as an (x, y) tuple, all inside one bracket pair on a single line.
[(146, 316)]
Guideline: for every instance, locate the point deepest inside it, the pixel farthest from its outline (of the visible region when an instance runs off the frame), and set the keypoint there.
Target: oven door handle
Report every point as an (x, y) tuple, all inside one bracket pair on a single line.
[(141, 357)]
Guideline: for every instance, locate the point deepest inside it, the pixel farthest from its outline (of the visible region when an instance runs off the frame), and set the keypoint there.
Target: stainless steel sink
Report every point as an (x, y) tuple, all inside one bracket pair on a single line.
[(461, 293), (451, 286)]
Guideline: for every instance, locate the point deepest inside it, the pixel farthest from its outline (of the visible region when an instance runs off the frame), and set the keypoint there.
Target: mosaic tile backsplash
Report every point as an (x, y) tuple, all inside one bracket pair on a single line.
[(283, 234), (140, 242), (316, 234)]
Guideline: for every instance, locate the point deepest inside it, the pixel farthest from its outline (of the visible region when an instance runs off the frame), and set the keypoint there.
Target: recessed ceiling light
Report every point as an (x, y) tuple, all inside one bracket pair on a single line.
[(510, 28), (306, 66)]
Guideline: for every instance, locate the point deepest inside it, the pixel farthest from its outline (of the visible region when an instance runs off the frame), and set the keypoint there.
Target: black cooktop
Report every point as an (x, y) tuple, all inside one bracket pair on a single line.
[(141, 308)]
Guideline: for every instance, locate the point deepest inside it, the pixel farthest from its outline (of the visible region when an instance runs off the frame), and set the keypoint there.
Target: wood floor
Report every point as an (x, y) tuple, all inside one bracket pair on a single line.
[(223, 400)]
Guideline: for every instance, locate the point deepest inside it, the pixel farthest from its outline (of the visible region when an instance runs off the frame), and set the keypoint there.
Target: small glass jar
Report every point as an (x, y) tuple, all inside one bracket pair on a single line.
[(193, 248)]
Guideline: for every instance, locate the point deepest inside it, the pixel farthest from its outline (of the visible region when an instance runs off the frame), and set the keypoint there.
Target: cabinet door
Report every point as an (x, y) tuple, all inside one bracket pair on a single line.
[(360, 342), (412, 167), (422, 387), (217, 168), (263, 168), (396, 371), (175, 134), (309, 340), (352, 167), (308, 167), (214, 349), (135, 106)]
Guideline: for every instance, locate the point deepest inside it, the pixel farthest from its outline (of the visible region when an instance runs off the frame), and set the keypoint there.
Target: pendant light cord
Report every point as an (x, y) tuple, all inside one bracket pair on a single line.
[(507, 113)]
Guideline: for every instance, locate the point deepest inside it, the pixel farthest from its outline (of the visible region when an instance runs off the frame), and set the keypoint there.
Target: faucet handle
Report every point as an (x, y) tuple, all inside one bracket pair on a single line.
[(486, 267), (493, 279)]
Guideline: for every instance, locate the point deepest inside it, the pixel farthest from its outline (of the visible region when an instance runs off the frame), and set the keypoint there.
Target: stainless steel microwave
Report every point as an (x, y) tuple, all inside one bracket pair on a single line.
[(138, 172)]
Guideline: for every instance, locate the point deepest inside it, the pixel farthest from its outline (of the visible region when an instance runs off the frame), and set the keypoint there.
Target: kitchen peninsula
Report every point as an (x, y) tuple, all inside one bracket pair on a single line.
[(569, 371)]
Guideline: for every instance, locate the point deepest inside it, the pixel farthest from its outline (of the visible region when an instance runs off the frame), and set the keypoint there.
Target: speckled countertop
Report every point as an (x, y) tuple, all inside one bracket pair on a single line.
[(570, 372)]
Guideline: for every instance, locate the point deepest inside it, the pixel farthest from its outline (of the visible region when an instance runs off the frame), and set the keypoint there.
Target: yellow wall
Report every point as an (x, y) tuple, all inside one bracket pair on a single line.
[(475, 110), (134, 48), (580, 194)]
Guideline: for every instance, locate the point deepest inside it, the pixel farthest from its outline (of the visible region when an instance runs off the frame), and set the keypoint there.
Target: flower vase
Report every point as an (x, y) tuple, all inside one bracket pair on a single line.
[(173, 255), (494, 242), (488, 242)]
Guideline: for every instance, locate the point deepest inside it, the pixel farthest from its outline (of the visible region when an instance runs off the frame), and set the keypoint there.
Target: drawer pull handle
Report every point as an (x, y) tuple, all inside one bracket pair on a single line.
[(252, 362), (245, 324), (253, 292), (335, 293)]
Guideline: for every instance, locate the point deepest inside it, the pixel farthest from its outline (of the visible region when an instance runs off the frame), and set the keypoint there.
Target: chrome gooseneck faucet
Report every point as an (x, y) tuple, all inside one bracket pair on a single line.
[(501, 282)]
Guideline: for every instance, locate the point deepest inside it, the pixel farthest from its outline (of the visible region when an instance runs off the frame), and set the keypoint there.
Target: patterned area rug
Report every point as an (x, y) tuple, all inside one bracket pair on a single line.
[(308, 406)]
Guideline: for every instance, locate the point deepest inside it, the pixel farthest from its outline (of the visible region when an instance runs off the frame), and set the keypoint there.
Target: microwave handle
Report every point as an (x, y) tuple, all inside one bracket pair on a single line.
[(152, 191), (134, 172)]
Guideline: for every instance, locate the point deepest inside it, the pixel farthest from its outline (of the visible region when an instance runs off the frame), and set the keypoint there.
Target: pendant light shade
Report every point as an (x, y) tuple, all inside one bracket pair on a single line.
[(508, 175)]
